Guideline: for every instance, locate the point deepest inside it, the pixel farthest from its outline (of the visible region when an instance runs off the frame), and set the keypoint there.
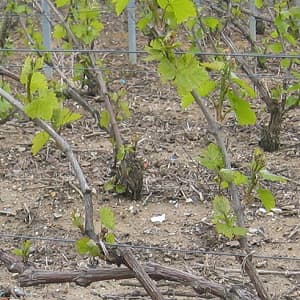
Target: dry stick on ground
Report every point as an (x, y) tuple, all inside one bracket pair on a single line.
[(236, 203), (29, 276), (66, 148)]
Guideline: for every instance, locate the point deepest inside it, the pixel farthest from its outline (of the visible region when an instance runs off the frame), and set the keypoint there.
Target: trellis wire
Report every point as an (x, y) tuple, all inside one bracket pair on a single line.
[(148, 247), (122, 69), (123, 51)]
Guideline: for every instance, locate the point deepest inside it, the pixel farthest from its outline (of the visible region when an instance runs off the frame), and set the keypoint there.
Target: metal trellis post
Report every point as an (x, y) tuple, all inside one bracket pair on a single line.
[(252, 20), (46, 29), (132, 32)]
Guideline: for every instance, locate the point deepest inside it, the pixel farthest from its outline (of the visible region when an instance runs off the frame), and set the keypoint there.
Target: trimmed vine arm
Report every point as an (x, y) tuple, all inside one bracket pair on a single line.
[(31, 276), (66, 148)]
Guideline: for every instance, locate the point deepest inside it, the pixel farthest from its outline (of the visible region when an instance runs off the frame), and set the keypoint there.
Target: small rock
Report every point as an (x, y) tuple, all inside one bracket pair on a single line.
[(261, 211), (253, 230), (189, 200), (167, 260), (57, 216), (233, 244), (187, 214), (261, 264), (288, 207), (158, 219), (133, 210), (277, 211), (19, 292), (21, 149)]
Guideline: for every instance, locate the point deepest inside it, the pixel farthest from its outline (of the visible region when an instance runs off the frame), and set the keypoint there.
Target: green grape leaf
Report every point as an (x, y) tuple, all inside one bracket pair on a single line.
[(143, 22), (259, 3), (87, 246), (274, 34), (293, 88), (120, 5), (61, 3), (121, 153), (109, 186), (26, 70), (207, 87), (212, 157), (239, 231), (215, 65), (124, 105), (223, 228), (38, 82), (233, 176), (107, 218), (245, 115), (267, 175), (19, 9), (81, 245), (155, 50), (221, 206), (18, 252), (167, 69), (39, 108), (292, 101), (120, 189), (183, 10), (187, 100), (244, 85), (189, 73), (38, 63), (104, 119), (43, 106), (286, 62), (38, 38), (224, 184), (63, 116), (39, 141), (211, 22), (93, 248), (59, 32), (110, 238), (266, 198), (276, 47), (77, 220), (5, 108)]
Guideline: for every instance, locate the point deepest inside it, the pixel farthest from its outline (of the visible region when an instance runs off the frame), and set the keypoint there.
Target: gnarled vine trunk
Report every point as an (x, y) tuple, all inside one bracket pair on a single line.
[(270, 135)]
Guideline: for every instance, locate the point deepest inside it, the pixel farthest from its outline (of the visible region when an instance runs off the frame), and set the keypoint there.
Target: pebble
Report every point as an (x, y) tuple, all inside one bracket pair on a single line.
[(158, 219), (261, 211), (277, 211), (233, 244)]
